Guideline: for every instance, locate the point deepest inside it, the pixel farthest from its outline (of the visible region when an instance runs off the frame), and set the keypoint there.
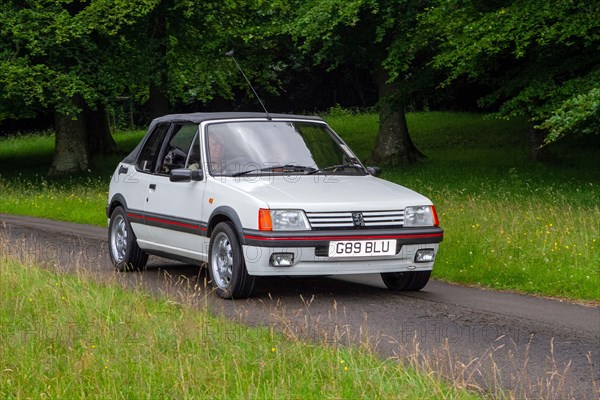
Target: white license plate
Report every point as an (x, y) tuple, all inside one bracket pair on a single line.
[(362, 248)]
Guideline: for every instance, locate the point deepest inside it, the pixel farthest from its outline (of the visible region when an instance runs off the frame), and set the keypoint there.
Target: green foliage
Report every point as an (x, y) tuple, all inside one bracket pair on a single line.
[(324, 27), (363, 33), (101, 49), (179, 48), (52, 50), (541, 57), (579, 114)]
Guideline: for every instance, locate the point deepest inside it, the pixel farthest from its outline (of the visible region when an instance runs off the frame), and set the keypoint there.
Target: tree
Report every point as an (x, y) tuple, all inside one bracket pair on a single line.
[(378, 35), (541, 57), (58, 54), (180, 47), (77, 57)]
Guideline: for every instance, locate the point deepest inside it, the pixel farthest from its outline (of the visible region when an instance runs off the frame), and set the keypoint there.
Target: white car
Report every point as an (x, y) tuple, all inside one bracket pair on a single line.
[(265, 195)]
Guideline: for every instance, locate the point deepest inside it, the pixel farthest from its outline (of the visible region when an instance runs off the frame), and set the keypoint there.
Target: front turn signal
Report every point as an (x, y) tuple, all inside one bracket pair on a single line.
[(264, 220), (436, 221)]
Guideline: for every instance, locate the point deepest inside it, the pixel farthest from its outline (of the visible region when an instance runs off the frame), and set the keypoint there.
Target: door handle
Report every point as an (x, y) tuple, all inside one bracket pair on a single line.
[(152, 186)]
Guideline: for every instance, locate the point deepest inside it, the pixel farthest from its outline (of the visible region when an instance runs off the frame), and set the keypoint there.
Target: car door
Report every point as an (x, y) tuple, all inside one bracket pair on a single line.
[(173, 209), (136, 179)]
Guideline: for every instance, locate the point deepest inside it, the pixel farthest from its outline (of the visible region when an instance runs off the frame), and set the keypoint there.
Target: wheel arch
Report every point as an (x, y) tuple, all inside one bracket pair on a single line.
[(116, 201), (225, 214)]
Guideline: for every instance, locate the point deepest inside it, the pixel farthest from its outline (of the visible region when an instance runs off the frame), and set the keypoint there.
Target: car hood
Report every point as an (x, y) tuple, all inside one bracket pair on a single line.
[(328, 192)]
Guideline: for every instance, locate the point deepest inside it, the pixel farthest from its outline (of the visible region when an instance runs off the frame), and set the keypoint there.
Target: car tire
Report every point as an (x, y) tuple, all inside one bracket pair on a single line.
[(226, 266), (123, 249), (411, 281)]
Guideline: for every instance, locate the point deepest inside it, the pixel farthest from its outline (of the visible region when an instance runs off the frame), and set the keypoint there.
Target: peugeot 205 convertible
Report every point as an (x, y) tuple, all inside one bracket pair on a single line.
[(265, 195)]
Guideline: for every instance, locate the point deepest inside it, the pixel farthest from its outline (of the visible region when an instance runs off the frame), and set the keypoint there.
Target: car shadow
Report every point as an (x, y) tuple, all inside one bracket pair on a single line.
[(267, 288)]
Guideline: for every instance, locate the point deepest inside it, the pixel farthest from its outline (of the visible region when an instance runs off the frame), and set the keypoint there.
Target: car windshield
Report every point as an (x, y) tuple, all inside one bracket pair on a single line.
[(277, 147)]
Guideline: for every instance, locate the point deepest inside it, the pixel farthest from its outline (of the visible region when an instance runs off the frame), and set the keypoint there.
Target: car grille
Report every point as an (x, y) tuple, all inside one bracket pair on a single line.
[(352, 220)]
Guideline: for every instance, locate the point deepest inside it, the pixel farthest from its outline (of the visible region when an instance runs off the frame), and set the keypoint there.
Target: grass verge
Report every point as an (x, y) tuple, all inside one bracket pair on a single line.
[(25, 189), (65, 336), (509, 223)]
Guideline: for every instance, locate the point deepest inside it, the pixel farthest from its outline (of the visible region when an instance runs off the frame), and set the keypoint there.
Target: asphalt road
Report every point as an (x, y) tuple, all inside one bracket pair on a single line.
[(530, 346)]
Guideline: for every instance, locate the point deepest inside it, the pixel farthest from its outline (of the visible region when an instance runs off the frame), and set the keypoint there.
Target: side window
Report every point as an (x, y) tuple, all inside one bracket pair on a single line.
[(147, 159), (178, 149)]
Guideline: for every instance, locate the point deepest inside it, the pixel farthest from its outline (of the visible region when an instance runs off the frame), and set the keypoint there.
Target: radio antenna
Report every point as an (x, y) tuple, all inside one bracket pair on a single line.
[(230, 54)]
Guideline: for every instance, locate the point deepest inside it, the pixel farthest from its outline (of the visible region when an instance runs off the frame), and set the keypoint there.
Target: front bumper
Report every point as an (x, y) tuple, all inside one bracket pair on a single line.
[(309, 251), (307, 263)]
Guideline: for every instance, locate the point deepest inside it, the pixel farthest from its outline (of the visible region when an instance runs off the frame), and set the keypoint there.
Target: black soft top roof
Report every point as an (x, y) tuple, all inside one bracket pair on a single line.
[(199, 117), (211, 116)]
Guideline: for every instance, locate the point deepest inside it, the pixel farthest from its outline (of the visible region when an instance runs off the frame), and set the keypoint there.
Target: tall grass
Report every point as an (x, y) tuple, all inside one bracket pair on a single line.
[(510, 223), (79, 199), (27, 151), (67, 337)]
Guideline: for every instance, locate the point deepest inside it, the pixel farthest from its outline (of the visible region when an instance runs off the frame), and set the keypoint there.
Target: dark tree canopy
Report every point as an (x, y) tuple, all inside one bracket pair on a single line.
[(541, 56), (62, 55), (374, 34), (76, 58)]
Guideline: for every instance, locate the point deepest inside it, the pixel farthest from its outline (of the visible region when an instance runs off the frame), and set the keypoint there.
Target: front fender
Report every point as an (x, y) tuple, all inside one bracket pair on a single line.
[(223, 213)]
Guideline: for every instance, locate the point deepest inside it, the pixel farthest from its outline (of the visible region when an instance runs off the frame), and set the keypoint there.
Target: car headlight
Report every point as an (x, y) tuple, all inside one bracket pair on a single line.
[(420, 216), (282, 220)]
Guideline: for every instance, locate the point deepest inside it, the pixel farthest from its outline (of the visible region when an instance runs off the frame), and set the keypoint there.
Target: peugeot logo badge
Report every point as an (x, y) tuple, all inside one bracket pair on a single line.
[(358, 219)]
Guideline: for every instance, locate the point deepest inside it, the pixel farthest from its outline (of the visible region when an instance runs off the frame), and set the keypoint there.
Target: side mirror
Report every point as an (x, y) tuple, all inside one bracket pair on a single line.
[(375, 171), (185, 175), (197, 175)]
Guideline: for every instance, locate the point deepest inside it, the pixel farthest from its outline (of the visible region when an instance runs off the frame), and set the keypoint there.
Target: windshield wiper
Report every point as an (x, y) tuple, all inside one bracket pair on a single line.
[(285, 168), (334, 167)]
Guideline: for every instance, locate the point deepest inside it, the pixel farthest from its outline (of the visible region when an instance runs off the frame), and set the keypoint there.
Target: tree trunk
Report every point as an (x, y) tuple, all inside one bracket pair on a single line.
[(158, 101), (394, 145), (538, 151), (100, 140), (71, 150)]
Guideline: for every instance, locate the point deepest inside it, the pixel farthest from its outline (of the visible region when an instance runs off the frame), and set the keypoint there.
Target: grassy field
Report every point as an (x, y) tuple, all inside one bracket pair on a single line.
[(25, 189), (54, 344), (510, 223)]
